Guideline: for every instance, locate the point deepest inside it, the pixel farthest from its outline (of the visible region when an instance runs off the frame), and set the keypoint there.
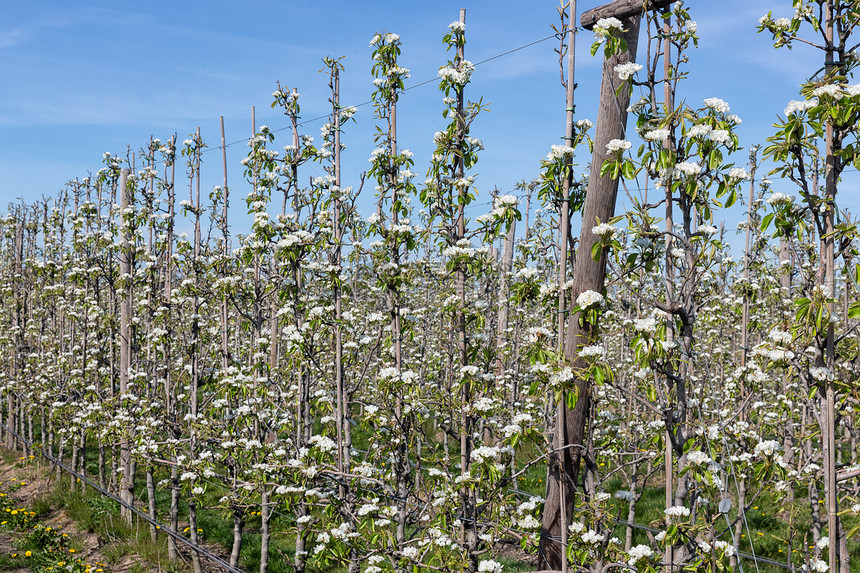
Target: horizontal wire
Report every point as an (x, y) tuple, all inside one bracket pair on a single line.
[(406, 89), (194, 547)]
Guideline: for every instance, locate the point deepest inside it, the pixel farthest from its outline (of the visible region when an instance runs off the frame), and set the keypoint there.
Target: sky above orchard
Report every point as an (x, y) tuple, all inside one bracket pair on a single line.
[(83, 78)]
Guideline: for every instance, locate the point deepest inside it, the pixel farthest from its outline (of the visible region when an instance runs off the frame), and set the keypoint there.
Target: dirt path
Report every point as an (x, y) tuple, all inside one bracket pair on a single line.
[(37, 483), (29, 481)]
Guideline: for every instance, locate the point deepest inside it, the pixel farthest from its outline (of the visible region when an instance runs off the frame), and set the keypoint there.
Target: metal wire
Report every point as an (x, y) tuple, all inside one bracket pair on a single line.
[(194, 547)]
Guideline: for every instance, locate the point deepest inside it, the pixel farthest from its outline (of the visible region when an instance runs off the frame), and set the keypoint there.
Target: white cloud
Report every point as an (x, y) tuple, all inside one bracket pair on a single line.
[(13, 37)]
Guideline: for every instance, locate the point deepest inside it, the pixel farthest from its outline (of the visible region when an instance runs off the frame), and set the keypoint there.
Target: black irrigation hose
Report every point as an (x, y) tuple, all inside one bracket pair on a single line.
[(194, 547)]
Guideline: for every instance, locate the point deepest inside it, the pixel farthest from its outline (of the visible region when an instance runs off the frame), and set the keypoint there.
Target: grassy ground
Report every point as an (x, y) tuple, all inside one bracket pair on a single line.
[(766, 531)]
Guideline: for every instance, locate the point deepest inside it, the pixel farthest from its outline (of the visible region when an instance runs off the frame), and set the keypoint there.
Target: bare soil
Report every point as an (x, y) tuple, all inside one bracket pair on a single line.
[(40, 481)]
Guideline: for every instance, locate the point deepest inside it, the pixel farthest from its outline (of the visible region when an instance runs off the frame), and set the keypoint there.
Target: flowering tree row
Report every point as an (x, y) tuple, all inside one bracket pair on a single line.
[(382, 388)]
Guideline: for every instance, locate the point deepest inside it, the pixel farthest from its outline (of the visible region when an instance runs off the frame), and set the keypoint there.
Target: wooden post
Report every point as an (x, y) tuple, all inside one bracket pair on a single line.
[(225, 252), (588, 274), (504, 293), (829, 433), (560, 425), (668, 456), (620, 9), (126, 487), (336, 261)]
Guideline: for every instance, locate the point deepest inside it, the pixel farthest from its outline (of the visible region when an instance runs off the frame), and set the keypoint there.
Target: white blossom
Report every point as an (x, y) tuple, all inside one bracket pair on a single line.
[(637, 553), (660, 135), (624, 71), (698, 458), (589, 298), (591, 536), (618, 145), (604, 27), (595, 350), (778, 198), (717, 104), (699, 130), (689, 168), (795, 106), (604, 229), (719, 136), (832, 90), (738, 173), (767, 448), (559, 152), (677, 511), (489, 566)]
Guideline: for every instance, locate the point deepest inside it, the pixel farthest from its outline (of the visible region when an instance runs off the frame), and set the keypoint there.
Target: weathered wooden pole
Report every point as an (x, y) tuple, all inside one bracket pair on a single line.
[(126, 487), (588, 275), (831, 175), (559, 435), (620, 9)]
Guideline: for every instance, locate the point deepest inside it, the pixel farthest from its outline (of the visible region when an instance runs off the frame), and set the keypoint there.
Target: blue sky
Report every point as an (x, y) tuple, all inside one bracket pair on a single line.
[(81, 78)]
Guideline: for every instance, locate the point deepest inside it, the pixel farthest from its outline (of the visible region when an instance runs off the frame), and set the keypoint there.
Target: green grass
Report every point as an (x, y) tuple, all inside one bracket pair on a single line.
[(769, 520)]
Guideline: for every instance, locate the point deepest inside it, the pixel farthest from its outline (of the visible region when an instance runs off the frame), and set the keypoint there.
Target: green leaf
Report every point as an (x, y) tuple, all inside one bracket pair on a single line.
[(572, 397), (607, 166), (715, 159), (671, 534), (733, 197), (596, 251), (628, 170)]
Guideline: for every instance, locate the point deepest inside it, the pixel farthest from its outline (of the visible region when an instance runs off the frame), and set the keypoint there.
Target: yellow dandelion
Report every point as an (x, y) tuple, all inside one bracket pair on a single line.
[(28, 553)]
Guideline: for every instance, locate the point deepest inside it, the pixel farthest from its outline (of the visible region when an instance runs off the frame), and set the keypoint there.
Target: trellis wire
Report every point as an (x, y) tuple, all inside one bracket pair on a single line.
[(194, 547)]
